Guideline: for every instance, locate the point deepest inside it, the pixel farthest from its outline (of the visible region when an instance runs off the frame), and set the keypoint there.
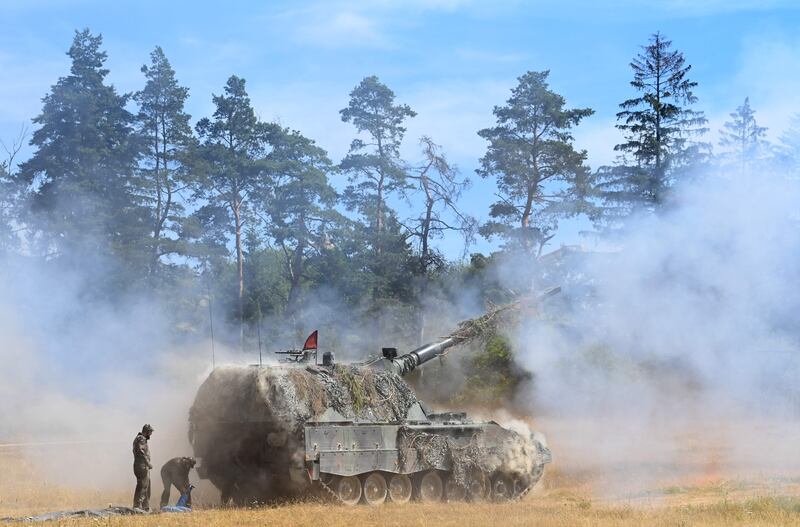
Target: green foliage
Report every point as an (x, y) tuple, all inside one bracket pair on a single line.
[(232, 163), (354, 380), (297, 203), (440, 184), (85, 198), (168, 143), (8, 196), (375, 172), (743, 137), (266, 286), (540, 175), (373, 165), (492, 375), (658, 125)]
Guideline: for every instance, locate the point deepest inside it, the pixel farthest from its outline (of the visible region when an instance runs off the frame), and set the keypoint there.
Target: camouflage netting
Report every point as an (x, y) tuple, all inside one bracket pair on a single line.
[(247, 422), (515, 454), (488, 323), (238, 407), (288, 396)]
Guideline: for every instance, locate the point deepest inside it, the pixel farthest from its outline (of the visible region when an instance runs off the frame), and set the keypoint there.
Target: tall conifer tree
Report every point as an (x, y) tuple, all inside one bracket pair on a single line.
[(167, 142), (539, 173), (658, 124), (743, 137), (233, 152), (84, 197)]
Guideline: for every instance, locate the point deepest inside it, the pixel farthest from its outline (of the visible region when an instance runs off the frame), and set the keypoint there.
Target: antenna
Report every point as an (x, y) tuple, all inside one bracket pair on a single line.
[(211, 325), (260, 360)]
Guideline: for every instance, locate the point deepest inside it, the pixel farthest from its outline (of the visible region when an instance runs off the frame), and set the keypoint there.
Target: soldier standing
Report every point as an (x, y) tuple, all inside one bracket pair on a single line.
[(141, 468), (176, 472)]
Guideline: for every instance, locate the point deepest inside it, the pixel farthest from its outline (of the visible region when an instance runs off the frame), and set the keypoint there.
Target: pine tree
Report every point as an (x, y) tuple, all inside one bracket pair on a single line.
[(539, 173), (743, 137), (788, 151), (377, 172), (167, 140), (12, 220), (84, 198), (374, 166), (658, 125), (298, 205), (233, 152), (8, 194)]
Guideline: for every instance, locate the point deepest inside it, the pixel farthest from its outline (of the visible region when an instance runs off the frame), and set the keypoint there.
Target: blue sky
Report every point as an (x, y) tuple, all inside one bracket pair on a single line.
[(450, 60)]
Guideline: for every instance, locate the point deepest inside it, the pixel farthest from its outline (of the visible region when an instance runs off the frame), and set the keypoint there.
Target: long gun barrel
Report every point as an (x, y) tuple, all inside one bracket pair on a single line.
[(405, 363), (467, 330)]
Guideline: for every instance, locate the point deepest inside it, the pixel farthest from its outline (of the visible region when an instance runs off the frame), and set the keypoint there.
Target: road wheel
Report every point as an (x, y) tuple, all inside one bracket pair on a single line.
[(536, 475), (502, 488), (431, 487), (375, 489), (521, 487), (453, 491), (478, 486), (400, 488), (348, 489)]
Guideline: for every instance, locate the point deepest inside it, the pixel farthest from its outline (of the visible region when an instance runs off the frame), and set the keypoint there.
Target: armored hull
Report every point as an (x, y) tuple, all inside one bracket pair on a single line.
[(356, 433)]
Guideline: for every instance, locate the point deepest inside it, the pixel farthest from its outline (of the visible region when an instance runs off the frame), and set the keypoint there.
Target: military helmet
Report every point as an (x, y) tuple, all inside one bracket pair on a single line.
[(147, 428)]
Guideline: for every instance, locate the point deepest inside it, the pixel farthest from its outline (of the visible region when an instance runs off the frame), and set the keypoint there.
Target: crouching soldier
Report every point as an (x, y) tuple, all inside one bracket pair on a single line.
[(141, 468), (176, 472)]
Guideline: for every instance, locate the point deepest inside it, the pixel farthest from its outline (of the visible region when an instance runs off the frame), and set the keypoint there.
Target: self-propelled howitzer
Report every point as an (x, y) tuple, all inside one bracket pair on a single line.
[(353, 432)]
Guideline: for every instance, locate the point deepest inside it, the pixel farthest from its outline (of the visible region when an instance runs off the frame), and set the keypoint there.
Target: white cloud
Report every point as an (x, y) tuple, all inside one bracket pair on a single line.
[(342, 29), (349, 23)]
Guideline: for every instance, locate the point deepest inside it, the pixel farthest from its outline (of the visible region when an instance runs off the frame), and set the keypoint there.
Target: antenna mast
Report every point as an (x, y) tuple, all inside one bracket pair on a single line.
[(211, 326), (258, 322)]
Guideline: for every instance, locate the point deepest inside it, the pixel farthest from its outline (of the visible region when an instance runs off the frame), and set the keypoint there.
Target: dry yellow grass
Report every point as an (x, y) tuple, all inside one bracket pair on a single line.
[(563, 500), (764, 511)]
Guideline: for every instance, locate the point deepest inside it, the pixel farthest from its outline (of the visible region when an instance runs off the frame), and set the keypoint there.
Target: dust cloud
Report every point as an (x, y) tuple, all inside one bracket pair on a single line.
[(673, 356), (79, 377)]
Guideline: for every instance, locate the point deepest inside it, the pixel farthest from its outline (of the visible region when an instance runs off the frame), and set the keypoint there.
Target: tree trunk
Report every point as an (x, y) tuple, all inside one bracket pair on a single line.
[(157, 226), (295, 275), (240, 266)]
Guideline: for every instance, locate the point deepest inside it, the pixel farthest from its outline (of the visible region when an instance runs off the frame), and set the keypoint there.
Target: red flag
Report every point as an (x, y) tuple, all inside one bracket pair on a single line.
[(311, 342)]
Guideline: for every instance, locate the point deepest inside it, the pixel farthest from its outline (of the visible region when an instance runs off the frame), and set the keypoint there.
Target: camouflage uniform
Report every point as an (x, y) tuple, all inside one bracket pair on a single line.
[(141, 469), (176, 472)]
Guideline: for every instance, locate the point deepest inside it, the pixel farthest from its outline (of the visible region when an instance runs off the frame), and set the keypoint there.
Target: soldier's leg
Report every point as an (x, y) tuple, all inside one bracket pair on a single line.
[(183, 488), (146, 491), (137, 494), (165, 495)]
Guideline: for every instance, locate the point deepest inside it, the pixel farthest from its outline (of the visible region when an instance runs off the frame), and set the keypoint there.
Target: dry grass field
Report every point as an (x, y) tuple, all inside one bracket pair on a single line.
[(632, 489), (560, 501), (529, 512)]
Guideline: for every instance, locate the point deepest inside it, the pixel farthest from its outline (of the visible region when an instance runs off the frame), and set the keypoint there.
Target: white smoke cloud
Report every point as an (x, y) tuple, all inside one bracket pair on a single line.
[(686, 344)]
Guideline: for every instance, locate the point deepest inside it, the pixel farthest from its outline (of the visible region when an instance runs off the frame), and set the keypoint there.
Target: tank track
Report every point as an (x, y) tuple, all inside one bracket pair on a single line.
[(331, 492), (516, 497)]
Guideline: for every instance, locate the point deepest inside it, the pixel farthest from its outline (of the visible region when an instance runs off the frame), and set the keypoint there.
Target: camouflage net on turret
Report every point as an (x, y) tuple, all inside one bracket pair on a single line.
[(288, 396)]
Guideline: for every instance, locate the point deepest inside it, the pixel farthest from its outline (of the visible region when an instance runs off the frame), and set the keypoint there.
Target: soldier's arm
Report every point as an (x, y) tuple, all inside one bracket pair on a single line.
[(141, 451)]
